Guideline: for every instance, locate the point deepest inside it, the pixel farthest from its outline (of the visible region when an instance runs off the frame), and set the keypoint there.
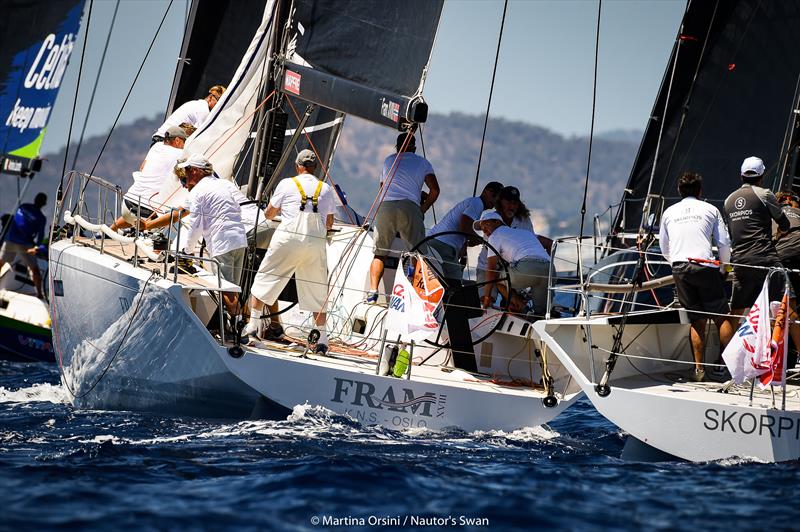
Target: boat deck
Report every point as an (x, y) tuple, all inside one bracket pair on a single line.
[(666, 386), (202, 280), (366, 364)]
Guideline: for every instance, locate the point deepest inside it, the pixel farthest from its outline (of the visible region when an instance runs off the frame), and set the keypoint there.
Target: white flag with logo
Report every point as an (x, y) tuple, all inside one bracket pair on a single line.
[(748, 354)]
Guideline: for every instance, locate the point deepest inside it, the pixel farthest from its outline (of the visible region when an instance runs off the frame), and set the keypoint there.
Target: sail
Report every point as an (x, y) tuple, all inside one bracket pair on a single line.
[(727, 93), (362, 57), (37, 38)]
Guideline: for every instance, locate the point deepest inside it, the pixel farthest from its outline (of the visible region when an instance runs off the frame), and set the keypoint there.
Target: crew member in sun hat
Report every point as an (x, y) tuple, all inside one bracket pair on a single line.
[(193, 112), (528, 262), (749, 211), (298, 247)]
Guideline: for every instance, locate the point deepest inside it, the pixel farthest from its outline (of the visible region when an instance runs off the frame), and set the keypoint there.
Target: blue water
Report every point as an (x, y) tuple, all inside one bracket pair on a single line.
[(61, 467)]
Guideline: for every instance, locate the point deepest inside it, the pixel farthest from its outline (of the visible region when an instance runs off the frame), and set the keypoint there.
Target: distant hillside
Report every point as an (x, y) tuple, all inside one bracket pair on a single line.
[(548, 169)]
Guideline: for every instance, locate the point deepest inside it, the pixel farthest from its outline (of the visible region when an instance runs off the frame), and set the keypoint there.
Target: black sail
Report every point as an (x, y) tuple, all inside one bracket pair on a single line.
[(729, 96)]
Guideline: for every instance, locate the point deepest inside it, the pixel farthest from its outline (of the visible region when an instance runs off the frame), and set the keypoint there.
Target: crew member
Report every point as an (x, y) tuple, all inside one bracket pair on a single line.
[(528, 263), (750, 211), (401, 211), (451, 248), (298, 247), (216, 217), (193, 112), (25, 237), (151, 177), (688, 231), (787, 244)]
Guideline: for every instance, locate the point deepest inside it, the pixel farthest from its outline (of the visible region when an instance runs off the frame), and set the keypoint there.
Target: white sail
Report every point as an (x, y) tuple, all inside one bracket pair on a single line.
[(224, 133)]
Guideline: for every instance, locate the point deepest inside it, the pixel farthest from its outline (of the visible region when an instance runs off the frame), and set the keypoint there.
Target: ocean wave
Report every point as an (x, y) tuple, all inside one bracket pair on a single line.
[(48, 393)]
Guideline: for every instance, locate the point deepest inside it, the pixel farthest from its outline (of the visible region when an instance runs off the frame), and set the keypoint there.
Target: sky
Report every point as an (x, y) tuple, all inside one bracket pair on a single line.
[(544, 73)]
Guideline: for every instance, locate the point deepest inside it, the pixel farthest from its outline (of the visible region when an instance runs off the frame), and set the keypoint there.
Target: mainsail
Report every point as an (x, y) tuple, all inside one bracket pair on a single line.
[(728, 92), (37, 38)]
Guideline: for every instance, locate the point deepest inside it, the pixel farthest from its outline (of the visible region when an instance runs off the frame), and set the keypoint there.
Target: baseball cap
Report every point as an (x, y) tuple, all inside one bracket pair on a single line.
[(196, 160), (752, 167), (510, 193), (175, 132), (306, 158), (488, 215)]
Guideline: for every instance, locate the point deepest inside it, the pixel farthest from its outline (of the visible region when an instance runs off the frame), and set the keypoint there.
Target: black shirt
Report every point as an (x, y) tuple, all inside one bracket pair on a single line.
[(749, 212), (788, 246)]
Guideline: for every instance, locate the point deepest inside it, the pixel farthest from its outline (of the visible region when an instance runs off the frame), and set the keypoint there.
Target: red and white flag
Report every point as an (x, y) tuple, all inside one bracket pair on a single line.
[(778, 347), (748, 354)]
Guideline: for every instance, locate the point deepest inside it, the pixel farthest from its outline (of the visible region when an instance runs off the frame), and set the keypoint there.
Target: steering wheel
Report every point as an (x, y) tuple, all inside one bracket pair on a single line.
[(502, 277)]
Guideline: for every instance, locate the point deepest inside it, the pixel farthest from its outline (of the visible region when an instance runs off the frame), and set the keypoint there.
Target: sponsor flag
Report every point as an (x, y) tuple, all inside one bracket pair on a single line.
[(415, 304), (748, 354), (778, 346)]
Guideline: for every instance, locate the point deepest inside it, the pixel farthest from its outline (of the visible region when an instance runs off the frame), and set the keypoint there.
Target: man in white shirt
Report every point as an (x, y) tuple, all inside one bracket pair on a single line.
[(298, 247), (688, 230), (528, 263), (216, 217), (451, 248), (401, 210), (148, 181), (193, 112)]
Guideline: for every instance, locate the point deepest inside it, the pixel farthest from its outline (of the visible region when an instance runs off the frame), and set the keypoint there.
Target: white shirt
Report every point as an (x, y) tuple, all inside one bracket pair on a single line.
[(249, 212), (407, 177), (471, 208), (158, 168), (517, 223), (688, 229), (194, 112), (215, 216), (516, 244), (287, 197)]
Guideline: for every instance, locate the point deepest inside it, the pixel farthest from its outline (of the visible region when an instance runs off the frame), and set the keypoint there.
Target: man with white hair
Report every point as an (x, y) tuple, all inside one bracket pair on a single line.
[(214, 215), (749, 211)]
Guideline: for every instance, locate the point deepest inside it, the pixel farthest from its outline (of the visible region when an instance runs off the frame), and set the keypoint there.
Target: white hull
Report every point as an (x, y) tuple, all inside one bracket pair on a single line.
[(434, 397), (649, 401), (120, 350)]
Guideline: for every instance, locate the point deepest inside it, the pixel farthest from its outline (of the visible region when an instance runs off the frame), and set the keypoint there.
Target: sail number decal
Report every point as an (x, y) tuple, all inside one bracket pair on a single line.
[(291, 82), (390, 109)]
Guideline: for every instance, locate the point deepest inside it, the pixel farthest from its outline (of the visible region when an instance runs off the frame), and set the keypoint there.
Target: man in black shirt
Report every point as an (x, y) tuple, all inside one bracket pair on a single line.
[(749, 212), (787, 244)]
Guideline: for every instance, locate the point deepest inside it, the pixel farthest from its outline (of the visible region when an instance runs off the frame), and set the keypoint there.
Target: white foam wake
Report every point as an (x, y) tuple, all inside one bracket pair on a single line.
[(45, 392)]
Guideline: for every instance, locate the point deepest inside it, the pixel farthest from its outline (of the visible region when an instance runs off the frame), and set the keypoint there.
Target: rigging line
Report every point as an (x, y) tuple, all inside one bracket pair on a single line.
[(130, 90), (489, 102), (75, 101), (686, 103), (425, 156), (591, 127), (94, 88)]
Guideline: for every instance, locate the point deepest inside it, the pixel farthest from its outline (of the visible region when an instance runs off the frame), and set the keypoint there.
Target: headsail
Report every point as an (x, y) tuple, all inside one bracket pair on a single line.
[(730, 96), (37, 38)]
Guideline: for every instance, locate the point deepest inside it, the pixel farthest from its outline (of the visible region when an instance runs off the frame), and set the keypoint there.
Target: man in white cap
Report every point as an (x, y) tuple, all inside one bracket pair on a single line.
[(216, 217), (528, 263), (193, 112), (298, 247), (151, 177), (750, 211), (688, 231)]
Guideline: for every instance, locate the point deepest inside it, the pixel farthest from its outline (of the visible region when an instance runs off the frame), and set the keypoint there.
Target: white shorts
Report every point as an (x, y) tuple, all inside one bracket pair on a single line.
[(287, 256)]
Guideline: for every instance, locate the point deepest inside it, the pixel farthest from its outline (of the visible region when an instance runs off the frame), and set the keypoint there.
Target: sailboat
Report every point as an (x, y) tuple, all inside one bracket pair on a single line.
[(628, 347), (37, 41), (132, 332)]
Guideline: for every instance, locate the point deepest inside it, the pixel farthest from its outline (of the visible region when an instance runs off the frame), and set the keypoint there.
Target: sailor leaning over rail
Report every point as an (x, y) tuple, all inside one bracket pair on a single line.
[(215, 216), (688, 231), (298, 247), (750, 211), (194, 112), (529, 263)]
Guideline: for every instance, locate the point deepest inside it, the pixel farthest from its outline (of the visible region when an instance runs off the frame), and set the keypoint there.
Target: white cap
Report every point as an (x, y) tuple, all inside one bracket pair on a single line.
[(488, 215), (196, 160), (752, 167)]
